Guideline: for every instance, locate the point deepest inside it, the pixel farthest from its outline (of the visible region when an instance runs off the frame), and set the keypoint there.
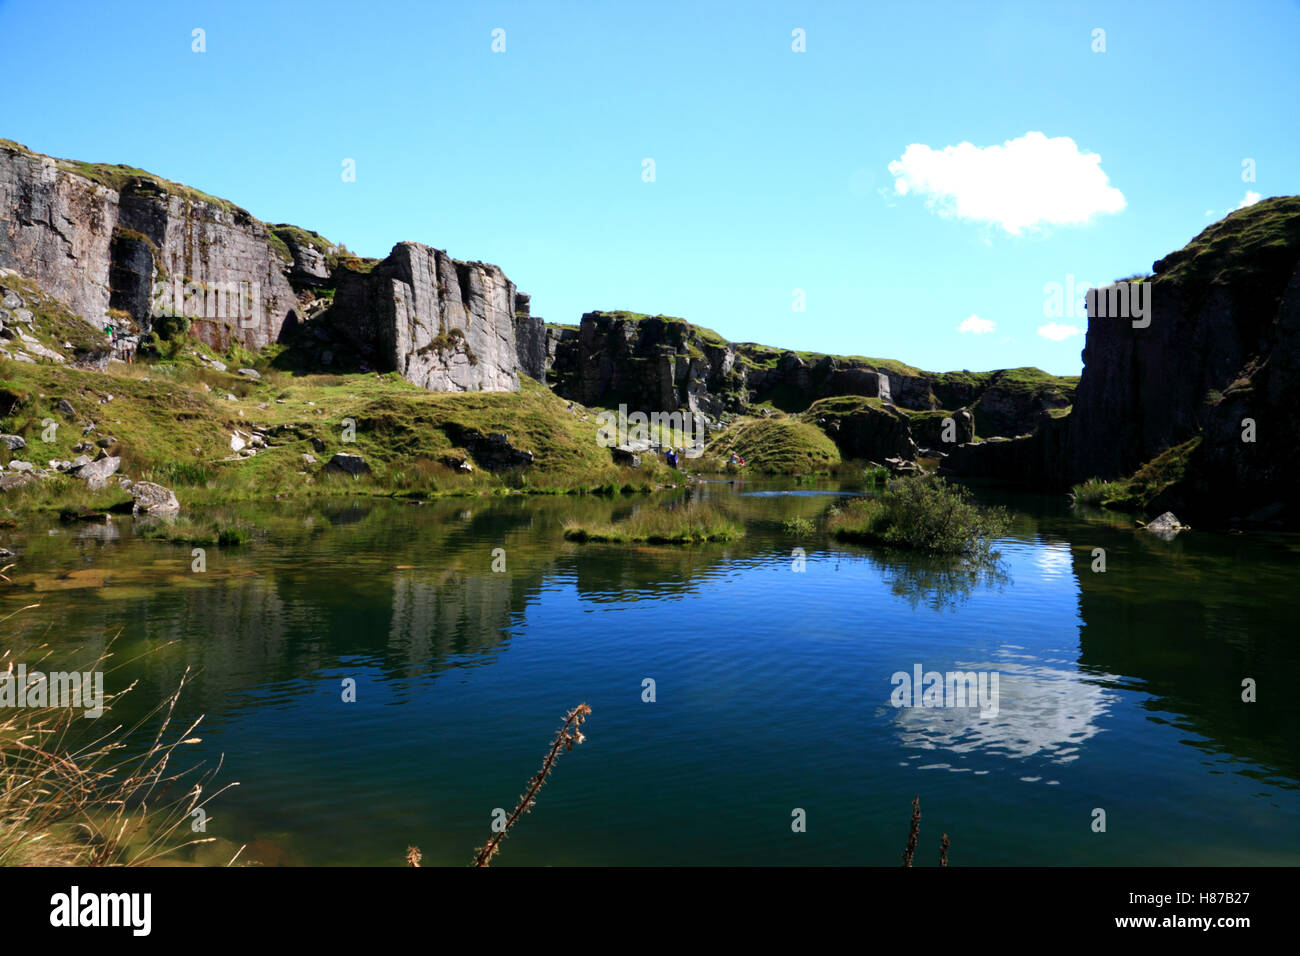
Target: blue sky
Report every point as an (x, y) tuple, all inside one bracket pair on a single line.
[(774, 170)]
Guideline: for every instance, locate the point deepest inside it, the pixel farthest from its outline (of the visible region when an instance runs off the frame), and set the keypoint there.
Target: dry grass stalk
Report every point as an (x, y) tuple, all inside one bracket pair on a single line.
[(69, 797), (915, 833), (568, 735), (943, 850)]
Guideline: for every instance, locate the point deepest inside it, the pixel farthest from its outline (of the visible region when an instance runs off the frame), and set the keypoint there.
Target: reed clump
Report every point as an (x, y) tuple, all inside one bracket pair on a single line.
[(662, 526)]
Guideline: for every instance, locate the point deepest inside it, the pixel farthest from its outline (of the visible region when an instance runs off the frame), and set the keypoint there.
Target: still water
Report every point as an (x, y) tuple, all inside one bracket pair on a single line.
[(1119, 690)]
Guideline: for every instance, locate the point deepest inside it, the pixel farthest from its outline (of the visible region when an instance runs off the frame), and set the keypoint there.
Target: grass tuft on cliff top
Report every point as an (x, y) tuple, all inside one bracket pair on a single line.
[(1240, 251)]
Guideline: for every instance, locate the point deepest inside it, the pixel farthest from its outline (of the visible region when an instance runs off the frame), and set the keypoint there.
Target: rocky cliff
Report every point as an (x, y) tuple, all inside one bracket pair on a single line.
[(120, 244), (99, 237), (444, 325), (661, 363), (1217, 359)]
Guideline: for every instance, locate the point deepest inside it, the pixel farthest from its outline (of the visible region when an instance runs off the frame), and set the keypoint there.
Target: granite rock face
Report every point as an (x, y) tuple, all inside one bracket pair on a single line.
[(445, 325), (103, 238), (531, 343), (96, 247), (658, 363)]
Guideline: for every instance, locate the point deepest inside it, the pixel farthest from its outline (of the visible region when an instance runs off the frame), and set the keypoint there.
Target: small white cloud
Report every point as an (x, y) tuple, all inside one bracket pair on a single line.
[(1058, 332), (1250, 199), (976, 326), (1209, 212), (1025, 183)]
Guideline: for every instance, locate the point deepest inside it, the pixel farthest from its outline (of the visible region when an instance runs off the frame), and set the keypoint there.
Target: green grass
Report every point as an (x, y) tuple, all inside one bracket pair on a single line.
[(654, 525), (1096, 492), (203, 533), (924, 514), (173, 425), (1251, 251), (875, 475), (1138, 491), (1029, 380), (776, 446), (799, 527)]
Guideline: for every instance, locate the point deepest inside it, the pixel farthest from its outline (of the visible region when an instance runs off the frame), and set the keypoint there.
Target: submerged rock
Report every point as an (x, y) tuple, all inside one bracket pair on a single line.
[(1165, 526)]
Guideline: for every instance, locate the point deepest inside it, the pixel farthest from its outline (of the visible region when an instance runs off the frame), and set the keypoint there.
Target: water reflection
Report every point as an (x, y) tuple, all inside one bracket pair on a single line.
[(1101, 674)]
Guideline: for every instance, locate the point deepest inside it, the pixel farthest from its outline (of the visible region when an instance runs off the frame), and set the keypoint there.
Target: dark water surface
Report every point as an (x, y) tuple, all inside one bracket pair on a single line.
[(1118, 690)]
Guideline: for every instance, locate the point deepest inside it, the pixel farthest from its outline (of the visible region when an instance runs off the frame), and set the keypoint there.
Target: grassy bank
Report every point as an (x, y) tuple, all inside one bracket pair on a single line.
[(171, 421), (1136, 492)]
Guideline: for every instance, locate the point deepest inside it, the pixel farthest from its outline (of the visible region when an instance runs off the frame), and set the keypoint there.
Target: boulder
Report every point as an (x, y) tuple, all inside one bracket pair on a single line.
[(493, 451), (10, 481), (623, 455), (13, 442), (353, 465), (96, 473), (152, 499), (1165, 526)]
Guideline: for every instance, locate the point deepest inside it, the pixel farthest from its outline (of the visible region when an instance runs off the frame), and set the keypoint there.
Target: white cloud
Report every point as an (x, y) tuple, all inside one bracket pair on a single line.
[(1058, 332), (1250, 199), (976, 326), (1025, 183)]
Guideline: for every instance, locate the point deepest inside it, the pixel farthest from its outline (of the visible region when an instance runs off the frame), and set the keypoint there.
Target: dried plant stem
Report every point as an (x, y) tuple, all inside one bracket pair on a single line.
[(943, 850), (568, 735), (915, 833)]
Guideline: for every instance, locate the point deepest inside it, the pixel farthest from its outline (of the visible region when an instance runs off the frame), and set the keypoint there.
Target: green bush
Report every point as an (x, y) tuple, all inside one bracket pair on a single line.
[(875, 475), (924, 514), (799, 527)]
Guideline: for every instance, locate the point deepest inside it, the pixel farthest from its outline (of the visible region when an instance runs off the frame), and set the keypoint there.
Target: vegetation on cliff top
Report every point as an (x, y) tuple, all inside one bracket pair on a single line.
[(1239, 251)]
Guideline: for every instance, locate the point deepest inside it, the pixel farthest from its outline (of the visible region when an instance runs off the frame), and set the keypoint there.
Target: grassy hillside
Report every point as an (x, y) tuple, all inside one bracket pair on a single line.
[(171, 420), (774, 446)]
